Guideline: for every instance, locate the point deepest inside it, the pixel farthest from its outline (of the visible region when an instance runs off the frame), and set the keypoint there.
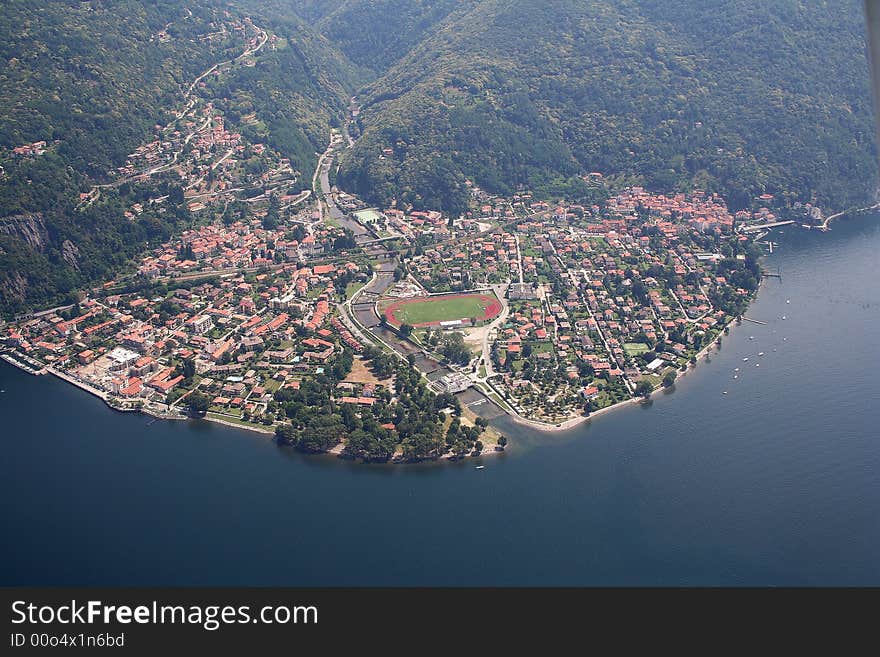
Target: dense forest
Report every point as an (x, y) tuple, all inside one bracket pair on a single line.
[(737, 97)]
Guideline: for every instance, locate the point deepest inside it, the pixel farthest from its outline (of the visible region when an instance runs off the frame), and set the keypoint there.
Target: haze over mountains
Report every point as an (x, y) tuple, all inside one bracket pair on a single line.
[(737, 97)]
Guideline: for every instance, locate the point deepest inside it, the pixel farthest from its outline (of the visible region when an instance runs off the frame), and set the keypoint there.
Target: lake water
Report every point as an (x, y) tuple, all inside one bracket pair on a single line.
[(775, 483)]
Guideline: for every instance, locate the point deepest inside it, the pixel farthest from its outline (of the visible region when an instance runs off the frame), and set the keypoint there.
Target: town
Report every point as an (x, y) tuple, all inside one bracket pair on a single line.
[(250, 324), (290, 307)]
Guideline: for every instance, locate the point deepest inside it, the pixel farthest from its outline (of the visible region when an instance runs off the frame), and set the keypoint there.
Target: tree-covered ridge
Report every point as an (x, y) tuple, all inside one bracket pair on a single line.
[(376, 34), (728, 97), (296, 91), (93, 108), (372, 34), (80, 74)]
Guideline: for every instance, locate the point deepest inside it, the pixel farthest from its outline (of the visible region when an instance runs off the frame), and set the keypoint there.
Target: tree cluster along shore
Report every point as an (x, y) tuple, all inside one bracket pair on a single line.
[(337, 451)]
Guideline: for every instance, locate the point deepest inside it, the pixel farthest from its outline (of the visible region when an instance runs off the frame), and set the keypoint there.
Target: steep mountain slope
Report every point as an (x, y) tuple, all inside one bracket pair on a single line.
[(372, 34), (728, 96), (724, 95), (92, 79), (375, 34), (78, 73)]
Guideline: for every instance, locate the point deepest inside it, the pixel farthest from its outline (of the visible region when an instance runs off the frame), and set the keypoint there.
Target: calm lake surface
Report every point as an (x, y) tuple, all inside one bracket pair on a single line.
[(775, 483)]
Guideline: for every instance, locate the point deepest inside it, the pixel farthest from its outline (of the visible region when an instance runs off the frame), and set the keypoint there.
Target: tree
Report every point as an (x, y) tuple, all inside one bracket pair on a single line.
[(188, 368), (454, 349), (644, 388), (669, 378), (502, 441), (284, 434), (175, 194), (405, 330), (198, 404)]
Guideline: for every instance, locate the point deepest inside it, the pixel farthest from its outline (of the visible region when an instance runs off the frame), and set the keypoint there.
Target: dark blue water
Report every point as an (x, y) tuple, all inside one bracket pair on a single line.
[(775, 483)]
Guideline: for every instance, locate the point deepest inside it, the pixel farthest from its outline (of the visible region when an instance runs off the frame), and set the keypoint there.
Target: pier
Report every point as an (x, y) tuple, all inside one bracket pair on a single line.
[(24, 363), (759, 227), (754, 321)]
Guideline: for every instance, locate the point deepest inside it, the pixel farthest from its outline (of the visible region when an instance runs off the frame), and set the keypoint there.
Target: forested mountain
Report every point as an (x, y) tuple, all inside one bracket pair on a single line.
[(733, 96), (92, 79), (372, 34), (725, 95), (375, 34), (92, 75)]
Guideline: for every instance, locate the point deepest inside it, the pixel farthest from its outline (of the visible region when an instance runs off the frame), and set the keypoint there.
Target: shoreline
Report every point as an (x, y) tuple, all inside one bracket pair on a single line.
[(536, 425), (573, 422), (843, 213), (336, 452)]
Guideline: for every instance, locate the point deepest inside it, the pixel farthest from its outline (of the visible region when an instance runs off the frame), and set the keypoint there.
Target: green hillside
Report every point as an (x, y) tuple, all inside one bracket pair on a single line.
[(737, 97), (92, 79)]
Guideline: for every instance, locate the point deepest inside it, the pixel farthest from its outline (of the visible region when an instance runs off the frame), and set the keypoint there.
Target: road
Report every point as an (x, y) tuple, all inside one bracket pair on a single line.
[(190, 101)]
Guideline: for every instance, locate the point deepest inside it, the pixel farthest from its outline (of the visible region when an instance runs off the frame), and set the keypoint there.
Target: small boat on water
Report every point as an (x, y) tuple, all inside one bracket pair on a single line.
[(751, 337), (724, 393), (736, 369), (757, 364), (745, 359), (479, 467), (788, 301), (760, 353), (783, 317)]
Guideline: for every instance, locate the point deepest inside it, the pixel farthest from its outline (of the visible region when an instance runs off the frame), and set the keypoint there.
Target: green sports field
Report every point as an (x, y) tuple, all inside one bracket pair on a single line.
[(424, 312), (635, 348)]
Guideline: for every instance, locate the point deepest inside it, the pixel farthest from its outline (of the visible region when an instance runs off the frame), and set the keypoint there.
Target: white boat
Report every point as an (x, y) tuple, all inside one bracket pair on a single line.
[(751, 337), (788, 301), (745, 359), (736, 369), (736, 376), (724, 393), (757, 364), (479, 467), (783, 317), (760, 353)]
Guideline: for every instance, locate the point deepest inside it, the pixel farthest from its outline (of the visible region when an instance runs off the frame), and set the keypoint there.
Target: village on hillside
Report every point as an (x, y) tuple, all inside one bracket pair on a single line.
[(382, 333)]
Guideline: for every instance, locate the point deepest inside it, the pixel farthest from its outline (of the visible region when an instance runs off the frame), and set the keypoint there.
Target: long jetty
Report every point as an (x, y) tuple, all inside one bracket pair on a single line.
[(759, 227)]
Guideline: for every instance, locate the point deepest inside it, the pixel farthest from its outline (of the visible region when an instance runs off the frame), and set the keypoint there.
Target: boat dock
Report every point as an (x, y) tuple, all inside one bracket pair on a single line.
[(754, 321), (757, 228), (25, 364)]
